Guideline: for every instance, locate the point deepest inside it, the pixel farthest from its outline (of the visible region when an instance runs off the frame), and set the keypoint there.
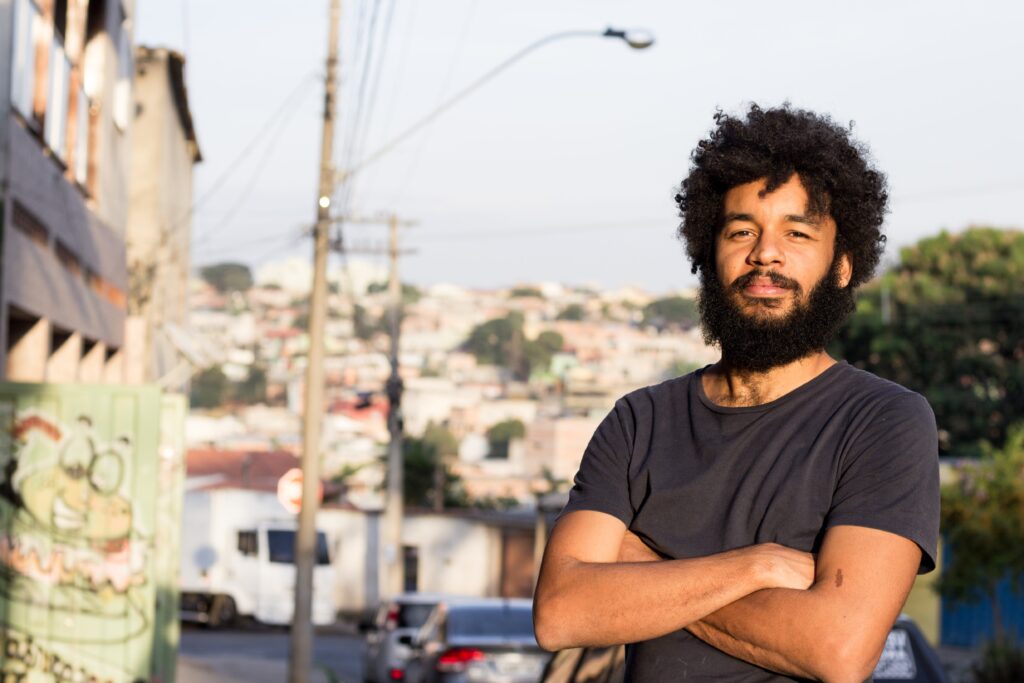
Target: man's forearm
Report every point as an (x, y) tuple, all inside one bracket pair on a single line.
[(775, 629), (588, 603)]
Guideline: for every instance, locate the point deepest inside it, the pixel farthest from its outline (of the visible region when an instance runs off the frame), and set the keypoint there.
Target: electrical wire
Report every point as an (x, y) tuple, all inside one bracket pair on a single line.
[(247, 189)]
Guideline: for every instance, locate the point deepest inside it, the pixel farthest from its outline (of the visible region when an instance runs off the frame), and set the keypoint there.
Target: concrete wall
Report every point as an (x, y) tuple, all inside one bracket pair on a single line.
[(159, 216)]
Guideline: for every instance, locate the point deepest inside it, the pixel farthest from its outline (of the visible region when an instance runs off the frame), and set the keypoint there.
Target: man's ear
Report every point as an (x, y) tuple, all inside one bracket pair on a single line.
[(845, 269)]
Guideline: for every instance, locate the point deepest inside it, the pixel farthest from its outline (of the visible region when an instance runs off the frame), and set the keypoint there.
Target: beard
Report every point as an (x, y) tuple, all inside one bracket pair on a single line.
[(756, 340)]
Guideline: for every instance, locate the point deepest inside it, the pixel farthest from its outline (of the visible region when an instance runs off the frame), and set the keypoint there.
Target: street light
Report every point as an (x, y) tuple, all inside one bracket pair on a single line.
[(638, 39), (393, 510)]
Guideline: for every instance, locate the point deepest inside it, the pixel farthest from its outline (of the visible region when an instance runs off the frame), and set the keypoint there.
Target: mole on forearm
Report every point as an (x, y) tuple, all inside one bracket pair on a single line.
[(839, 578)]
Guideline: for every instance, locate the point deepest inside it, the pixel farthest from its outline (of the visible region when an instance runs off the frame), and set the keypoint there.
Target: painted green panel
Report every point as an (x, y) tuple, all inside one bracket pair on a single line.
[(81, 499)]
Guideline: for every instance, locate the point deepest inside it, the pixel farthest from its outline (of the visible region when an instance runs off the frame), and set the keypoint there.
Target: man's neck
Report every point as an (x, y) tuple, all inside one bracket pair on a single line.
[(728, 385)]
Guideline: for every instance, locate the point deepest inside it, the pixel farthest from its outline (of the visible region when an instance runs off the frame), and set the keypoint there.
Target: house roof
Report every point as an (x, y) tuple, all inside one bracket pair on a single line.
[(243, 469)]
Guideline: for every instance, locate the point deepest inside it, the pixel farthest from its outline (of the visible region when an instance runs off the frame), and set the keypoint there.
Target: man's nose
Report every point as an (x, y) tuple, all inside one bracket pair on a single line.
[(766, 251)]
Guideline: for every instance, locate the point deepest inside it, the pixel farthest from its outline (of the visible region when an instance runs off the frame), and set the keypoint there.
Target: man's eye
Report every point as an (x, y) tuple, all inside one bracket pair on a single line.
[(802, 235)]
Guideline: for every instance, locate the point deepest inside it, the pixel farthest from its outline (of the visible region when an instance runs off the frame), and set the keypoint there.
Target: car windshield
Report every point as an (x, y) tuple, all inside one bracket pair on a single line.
[(414, 615), (281, 544), (503, 621)]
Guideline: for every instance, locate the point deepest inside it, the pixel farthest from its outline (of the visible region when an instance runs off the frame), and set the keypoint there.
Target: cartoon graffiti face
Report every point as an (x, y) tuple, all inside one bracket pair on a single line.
[(79, 494)]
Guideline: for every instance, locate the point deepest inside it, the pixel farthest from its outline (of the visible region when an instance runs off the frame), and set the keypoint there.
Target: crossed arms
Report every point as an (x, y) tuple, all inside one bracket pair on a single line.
[(825, 618)]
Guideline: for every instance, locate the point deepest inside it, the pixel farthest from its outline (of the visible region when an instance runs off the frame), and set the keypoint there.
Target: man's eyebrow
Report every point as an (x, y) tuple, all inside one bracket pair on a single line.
[(805, 220), (733, 216)]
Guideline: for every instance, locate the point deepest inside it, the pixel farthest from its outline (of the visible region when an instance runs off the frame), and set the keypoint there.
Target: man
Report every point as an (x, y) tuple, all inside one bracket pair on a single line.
[(761, 519)]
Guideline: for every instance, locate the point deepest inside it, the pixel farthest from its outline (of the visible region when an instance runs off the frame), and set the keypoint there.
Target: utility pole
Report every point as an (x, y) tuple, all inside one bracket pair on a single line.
[(300, 657), (394, 507)]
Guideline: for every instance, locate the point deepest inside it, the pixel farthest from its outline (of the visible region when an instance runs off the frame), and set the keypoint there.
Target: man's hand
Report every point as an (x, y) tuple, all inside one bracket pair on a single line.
[(786, 567), (588, 595), (835, 631)]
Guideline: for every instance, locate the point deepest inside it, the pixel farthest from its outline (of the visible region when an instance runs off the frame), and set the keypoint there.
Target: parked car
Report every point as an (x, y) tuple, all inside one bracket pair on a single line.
[(389, 641), (487, 640), (907, 657)]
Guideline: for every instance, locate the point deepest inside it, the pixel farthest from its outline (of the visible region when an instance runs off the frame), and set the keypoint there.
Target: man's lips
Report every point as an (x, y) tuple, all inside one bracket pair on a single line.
[(764, 287)]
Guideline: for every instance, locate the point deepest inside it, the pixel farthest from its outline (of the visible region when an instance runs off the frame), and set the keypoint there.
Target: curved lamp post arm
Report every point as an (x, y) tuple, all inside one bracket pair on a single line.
[(637, 41)]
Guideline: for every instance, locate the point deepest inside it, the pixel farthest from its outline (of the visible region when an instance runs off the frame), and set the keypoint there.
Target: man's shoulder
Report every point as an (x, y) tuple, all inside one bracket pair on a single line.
[(667, 391), (867, 386)]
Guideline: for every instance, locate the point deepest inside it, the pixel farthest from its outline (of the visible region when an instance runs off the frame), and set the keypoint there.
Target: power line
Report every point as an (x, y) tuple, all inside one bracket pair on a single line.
[(253, 179), (541, 231)]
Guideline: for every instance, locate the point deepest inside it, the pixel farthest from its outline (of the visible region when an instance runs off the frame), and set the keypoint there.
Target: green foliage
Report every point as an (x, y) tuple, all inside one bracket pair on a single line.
[(948, 322), (672, 311), (983, 521), (1001, 662), (526, 292), (253, 389), (501, 434), (410, 293), (209, 388), (227, 277), (364, 326), (425, 458), (501, 342), (571, 312), (681, 367)]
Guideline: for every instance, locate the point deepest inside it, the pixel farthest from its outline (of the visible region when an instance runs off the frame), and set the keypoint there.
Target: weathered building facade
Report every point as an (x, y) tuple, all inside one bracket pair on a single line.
[(164, 149), (65, 124)]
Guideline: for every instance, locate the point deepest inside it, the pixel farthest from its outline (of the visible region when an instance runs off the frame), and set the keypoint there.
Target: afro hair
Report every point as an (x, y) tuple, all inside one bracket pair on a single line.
[(774, 144)]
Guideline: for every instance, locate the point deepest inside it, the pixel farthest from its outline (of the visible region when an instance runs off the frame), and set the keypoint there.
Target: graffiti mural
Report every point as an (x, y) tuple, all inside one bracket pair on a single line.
[(76, 544)]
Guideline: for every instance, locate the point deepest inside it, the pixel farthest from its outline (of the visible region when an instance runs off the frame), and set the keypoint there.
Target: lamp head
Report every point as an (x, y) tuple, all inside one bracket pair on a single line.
[(638, 39)]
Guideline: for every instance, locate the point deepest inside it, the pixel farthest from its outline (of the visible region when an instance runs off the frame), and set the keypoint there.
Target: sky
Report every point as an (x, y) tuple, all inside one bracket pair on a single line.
[(564, 167)]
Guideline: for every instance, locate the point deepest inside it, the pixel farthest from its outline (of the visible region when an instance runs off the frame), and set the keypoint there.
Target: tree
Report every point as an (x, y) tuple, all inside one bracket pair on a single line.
[(672, 311), (501, 341), (948, 322), (209, 388), (983, 522), (227, 277), (426, 467), (500, 435), (526, 292), (363, 326), (410, 293), (253, 389), (571, 312)]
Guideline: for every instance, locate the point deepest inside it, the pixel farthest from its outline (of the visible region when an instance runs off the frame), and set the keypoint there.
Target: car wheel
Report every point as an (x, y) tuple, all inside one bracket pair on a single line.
[(223, 611)]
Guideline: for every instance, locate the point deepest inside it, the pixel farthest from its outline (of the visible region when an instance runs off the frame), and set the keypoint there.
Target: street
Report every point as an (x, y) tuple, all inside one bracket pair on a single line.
[(259, 654)]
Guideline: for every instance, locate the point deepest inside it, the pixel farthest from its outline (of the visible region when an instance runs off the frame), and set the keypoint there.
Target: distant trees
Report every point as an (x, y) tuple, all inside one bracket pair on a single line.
[(948, 322), (500, 435), (227, 277), (525, 292), (252, 389), (428, 479), (983, 521), (501, 341), (209, 388), (410, 293), (672, 311), (571, 312)]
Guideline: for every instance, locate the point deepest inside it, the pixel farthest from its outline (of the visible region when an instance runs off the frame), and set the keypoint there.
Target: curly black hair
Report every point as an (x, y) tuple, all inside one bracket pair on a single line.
[(774, 144)]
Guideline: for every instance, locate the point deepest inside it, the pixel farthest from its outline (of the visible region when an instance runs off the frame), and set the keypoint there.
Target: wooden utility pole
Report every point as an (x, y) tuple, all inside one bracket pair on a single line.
[(394, 506), (300, 657), (394, 509)]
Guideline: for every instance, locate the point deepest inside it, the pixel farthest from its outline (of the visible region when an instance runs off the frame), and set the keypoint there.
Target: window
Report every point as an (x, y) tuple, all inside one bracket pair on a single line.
[(27, 24), (411, 562), (125, 66), (57, 100), (82, 138), (281, 543), (247, 543)]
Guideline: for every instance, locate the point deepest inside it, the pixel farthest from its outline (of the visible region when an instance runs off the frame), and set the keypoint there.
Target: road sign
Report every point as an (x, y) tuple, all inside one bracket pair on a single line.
[(289, 490)]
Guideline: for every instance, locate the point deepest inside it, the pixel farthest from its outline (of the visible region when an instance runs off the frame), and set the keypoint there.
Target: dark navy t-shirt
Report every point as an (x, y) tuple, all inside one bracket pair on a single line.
[(692, 478)]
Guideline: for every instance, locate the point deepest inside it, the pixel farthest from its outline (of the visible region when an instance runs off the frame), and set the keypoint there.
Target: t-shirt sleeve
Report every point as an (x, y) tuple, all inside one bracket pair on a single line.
[(602, 482), (889, 477)]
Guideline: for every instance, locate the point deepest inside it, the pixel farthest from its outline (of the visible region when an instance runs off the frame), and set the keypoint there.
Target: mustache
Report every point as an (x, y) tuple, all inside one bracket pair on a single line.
[(777, 279)]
